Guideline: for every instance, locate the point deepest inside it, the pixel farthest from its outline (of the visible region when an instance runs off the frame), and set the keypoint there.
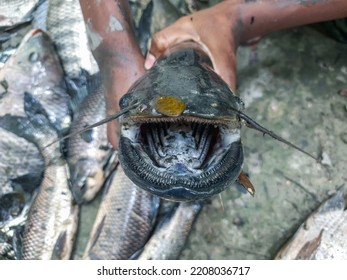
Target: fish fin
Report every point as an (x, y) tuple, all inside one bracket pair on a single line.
[(308, 251), (82, 87), (29, 182), (253, 124), (36, 130), (59, 245), (244, 181)]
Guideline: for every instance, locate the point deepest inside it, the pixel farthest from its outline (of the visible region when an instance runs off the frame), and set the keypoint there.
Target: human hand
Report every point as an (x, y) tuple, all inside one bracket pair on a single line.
[(214, 29), (115, 49)]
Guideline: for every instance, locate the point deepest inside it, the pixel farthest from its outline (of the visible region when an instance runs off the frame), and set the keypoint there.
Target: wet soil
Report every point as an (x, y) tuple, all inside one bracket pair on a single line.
[(292, 82)]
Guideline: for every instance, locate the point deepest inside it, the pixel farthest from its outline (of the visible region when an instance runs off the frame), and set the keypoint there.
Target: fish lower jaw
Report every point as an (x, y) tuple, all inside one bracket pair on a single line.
[(181, 161)]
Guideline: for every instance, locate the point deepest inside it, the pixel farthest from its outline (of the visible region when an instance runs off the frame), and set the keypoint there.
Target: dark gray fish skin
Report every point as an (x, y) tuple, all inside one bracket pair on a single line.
[(66, 27), (169, 237), (124, 221), (52, 219), (18, 158), (157, 15), (35, 68), (89, 153), (206, 154)]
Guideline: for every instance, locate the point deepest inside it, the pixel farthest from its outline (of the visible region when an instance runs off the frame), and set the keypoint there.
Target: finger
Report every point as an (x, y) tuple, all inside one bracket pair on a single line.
[(112, 135)]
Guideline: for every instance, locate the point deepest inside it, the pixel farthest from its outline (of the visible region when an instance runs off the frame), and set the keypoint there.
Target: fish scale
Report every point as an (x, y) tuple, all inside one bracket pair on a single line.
[(35, 68), (65, 25), (89, 153), (14, 12), (52, 214), (322, 235), (124, 221)]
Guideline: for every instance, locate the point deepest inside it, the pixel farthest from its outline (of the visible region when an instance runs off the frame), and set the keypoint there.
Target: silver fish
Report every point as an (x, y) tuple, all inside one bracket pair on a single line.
[(323, 235), (124, 221), (52, 219), (14, 12), (88, 154), (35, 68), (66, 27), (169, 237)]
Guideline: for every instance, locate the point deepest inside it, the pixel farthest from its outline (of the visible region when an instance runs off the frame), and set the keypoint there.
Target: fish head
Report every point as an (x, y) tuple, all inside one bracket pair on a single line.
[(86, 178), (182, 141), (35, 68), (36, 55)]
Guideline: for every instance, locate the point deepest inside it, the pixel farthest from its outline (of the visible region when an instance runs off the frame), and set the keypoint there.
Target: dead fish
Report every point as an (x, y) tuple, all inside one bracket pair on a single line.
[(20, 163), (124, 220), (170, 235), (89, 155), (65, 24), (323, 235), (180, 129), (52, 219), (183, 141), (35, 69), (15, 12), (157, 15)]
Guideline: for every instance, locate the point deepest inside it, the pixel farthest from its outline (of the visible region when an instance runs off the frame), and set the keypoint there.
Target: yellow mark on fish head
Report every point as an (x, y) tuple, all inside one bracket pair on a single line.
[(169, 106)]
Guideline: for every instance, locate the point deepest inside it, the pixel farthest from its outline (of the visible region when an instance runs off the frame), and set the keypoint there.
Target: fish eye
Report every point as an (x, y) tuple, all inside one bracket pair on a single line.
[(34, 57)]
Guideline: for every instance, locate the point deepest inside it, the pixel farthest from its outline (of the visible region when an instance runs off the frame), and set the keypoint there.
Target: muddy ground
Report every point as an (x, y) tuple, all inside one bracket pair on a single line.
[(295, 83)]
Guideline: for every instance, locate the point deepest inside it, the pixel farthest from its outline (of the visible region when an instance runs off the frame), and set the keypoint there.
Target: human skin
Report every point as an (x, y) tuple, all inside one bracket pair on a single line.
[(220, 29), (116, 51)]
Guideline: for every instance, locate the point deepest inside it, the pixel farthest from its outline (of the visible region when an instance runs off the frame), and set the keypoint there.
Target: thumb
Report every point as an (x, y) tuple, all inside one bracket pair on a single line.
[(162, 40)]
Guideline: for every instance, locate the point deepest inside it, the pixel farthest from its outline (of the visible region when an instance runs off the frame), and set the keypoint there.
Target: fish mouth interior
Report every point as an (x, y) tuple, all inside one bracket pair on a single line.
[(182, 146)]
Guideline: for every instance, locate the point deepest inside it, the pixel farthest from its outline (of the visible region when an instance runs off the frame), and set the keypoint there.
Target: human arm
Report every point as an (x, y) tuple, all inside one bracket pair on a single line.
[(220, 29), (113, 44)]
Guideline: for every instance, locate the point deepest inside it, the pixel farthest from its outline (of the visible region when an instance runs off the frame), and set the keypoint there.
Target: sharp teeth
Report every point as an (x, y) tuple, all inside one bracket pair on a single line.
[(205, 144), (153, 148)]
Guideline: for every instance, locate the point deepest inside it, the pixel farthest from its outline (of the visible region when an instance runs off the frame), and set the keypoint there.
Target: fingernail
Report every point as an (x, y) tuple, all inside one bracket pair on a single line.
[(150, 59)]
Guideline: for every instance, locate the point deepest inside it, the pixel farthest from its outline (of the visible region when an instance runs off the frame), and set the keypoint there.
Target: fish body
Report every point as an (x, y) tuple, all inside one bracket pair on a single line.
[(66, 27), (52, 219), (19, 159), (170, 235), (182, 141), (124, 221), (89, 153), (323, 235), (15, 12), (35, 69)]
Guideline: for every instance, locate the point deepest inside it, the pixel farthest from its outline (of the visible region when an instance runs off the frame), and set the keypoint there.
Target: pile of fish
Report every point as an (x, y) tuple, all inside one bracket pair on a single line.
[(50, 86)]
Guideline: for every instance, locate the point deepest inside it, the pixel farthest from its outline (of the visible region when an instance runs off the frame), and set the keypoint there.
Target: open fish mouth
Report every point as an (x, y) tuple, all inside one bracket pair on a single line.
[(181, 158)]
